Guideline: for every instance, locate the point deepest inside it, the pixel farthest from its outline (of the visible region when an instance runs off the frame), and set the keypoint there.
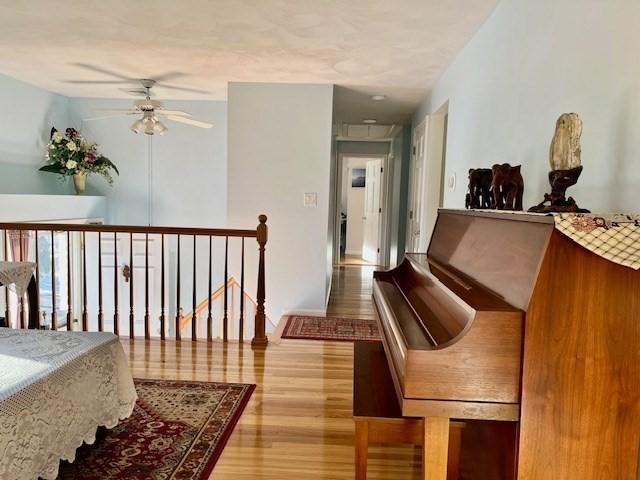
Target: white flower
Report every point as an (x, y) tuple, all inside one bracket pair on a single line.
[(52, 146), (57, 137), (72, 146), (71, 164)]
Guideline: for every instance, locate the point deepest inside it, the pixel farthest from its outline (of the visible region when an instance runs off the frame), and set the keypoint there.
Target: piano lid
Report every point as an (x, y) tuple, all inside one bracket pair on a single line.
[(501, 251)]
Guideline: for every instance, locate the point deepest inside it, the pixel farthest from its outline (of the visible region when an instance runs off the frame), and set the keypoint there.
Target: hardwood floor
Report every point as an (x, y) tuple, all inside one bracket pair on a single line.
[(298, 423), (351, 292)]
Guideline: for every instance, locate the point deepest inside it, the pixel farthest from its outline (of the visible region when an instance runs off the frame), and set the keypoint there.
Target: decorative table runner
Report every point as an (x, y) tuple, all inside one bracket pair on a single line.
[(614, 237), (17, 275)]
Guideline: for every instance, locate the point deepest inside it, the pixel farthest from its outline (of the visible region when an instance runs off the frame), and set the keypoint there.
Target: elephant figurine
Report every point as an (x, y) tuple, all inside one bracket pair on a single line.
[(479, 193), (507, 187)]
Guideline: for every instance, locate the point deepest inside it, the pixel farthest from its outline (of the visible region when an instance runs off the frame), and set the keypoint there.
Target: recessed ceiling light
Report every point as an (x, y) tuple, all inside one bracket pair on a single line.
[(369, 120), (378, 98)]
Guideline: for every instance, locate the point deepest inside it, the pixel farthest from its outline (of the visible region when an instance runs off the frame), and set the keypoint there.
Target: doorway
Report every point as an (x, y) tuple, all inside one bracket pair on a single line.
[(428, 157), (361, 209)]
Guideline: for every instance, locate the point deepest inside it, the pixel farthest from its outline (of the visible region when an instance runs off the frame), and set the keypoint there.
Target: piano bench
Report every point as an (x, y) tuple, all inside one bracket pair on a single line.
[(377, 414)]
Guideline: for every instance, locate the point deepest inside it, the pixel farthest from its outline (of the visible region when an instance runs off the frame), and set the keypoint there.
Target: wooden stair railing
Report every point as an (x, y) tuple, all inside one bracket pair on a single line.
[(82, 280), (187, 319)]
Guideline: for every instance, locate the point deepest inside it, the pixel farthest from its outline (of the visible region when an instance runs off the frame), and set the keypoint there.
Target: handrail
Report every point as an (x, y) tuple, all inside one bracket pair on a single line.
[(103, 228), (203, 305), (186, 317), (79, 278)]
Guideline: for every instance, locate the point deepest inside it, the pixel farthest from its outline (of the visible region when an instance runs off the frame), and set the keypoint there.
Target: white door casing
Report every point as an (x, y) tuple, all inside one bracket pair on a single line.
[(416, 193), (372, 190)]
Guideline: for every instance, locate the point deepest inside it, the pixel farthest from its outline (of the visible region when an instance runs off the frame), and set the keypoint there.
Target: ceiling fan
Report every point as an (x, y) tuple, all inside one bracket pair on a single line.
[(150, 110)]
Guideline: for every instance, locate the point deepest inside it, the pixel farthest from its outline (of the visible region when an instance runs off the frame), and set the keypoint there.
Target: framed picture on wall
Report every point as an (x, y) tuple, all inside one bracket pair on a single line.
[(358, 176)]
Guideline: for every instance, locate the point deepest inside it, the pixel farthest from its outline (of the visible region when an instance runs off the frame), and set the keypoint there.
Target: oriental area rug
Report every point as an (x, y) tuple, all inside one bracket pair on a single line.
[(330, 328), (177, 431)]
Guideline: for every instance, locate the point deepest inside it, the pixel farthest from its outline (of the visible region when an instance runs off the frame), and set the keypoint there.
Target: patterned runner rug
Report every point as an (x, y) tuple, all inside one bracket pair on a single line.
[(177, 431), (330, 328)]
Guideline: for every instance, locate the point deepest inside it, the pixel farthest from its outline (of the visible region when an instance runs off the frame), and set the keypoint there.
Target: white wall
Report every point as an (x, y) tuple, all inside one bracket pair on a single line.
[(280, 148), (189, 164), (530, 62), (27, 114), (45, 208)]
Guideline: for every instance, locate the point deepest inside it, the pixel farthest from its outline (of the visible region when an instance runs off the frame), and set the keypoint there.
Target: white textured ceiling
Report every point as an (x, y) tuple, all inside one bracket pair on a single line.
[(393, 47)]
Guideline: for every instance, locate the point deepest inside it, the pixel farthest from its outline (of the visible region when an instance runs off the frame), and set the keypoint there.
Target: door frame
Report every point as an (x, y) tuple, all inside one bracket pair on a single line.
[(415, 204), (434, 152), (385, 203)]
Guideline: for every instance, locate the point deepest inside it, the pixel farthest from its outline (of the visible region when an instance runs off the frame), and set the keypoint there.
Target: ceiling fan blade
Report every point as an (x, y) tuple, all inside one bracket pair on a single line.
[(104, 71), (117, 110), (176, 113), (183, 89), (99, 82), (189, 121), (104, 117), (136, 91), (168, 76)]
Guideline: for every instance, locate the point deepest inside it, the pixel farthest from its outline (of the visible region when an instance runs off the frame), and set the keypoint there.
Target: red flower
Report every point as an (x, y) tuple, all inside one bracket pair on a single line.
[(71, 133)]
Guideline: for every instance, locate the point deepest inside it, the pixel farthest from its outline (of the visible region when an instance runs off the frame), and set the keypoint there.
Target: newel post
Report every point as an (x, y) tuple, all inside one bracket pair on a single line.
[(260, 337)]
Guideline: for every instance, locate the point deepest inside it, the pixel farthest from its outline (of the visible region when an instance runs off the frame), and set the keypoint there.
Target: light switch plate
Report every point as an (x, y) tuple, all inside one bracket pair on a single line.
[(311, 199)]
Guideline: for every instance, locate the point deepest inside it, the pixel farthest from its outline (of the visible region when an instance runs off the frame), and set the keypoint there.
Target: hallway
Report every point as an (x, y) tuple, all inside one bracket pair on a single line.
[(351, 292)]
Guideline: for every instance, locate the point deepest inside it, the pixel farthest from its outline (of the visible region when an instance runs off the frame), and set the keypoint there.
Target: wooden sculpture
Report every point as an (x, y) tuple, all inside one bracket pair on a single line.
[(566, 166), (479, 194), (507, 187)]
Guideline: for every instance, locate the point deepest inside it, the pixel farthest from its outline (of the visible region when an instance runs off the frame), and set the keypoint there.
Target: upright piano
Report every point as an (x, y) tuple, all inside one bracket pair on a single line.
[(535, 341)]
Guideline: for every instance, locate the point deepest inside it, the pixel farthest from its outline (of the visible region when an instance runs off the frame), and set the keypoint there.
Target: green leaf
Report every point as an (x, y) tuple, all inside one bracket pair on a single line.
[(51, 169), (110, 164)]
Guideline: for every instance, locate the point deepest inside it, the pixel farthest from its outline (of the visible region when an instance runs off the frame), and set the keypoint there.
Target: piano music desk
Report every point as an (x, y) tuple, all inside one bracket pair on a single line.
[(378, 417)]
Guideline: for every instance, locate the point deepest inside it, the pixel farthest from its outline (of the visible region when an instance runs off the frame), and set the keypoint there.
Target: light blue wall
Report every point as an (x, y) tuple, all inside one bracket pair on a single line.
[(27, 114), (189, 164), (530, 62)]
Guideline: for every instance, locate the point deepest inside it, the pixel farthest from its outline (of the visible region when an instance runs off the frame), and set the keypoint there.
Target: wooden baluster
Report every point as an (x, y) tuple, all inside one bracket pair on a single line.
[(209, 291), (69, 296), (131, 299), (260, 338), (162, 317), (178, 292), (21, 299), (54, 312), (37, 281), (116, 315), (7, 310), (194, 332), (147, 334), (85, 315), (100, 312), (241, 327), (225, 319)]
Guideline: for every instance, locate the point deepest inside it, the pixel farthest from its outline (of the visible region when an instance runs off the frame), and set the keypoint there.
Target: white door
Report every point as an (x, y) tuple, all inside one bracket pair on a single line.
[(124, 276), (417, 188), (371, 237)]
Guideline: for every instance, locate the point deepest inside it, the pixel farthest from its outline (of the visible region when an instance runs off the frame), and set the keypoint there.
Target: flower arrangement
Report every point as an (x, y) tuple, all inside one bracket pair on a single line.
[(70, 154)]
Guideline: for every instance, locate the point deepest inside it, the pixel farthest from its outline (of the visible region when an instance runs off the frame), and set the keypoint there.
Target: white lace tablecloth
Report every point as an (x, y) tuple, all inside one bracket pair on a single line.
[(56, 388), (17, 275)]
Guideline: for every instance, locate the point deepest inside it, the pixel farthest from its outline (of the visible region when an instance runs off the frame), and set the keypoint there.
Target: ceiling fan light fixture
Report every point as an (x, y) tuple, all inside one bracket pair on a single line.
[(159, 127), (137, 126)]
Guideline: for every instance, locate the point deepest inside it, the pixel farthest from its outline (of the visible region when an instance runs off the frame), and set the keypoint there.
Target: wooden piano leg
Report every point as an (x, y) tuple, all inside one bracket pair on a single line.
[(362, 449), (435, 448), (455, 448)]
